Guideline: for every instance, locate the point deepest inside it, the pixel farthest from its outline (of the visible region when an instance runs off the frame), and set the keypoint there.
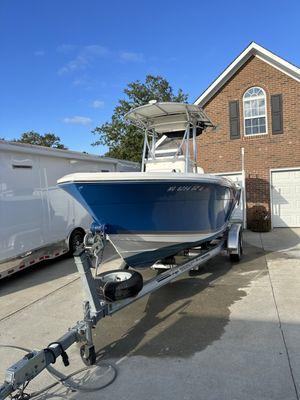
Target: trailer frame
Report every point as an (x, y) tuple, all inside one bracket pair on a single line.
[(96, 307)]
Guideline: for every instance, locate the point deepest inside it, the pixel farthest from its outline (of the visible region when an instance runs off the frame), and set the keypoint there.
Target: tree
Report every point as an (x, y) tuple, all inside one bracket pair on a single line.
[(126, 141), (47, 140)]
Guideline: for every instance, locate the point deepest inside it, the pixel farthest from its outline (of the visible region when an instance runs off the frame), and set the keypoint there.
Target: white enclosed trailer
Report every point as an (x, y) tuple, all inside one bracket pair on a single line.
[(38, 220)]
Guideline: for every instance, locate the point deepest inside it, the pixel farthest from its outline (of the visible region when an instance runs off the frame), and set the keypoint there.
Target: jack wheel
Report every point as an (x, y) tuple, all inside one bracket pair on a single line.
[(88, 355)]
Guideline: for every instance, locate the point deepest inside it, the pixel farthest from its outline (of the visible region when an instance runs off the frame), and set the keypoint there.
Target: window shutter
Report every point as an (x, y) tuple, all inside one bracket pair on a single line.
[(277, 118), (234, 119)]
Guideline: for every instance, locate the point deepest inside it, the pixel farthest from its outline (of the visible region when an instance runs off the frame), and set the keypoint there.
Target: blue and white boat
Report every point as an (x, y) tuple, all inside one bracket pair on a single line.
[(171, 205)]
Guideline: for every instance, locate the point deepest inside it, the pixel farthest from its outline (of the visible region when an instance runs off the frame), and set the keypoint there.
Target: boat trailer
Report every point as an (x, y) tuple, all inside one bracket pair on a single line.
[(97, 306)]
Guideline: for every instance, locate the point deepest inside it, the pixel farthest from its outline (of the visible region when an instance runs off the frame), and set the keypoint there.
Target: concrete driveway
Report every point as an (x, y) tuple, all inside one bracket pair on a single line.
[(231, 332)]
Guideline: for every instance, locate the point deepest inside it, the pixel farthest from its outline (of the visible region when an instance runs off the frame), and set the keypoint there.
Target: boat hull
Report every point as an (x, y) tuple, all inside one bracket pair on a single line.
[(147, 220), (141, 251)]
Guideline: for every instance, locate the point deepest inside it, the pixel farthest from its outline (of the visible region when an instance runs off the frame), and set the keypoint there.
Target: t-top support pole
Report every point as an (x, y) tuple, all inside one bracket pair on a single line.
[(195, 148)]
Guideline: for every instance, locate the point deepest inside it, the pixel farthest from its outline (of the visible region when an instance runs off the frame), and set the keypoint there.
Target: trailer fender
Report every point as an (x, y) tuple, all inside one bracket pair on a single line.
[(235, 242)]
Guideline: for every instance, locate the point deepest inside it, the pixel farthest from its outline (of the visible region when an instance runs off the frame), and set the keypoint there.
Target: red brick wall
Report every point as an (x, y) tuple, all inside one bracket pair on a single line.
[(218, 153)]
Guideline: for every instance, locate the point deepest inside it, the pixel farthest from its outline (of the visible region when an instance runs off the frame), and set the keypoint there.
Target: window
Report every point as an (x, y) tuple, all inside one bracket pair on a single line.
[(255, 115)]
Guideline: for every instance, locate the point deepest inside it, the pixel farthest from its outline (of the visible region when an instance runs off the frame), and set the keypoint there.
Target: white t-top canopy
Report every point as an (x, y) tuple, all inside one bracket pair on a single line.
[(168, 116)]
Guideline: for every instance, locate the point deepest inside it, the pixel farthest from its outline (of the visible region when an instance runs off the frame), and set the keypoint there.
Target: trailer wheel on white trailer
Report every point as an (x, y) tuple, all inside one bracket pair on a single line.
[(76, 239)]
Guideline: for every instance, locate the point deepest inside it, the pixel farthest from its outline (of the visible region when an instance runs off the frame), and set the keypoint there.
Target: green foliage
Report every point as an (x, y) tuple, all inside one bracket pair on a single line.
[(123, 140), (47, 140)]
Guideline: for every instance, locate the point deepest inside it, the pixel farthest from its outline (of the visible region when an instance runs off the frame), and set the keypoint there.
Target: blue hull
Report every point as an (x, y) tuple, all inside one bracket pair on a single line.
[(138, 208)]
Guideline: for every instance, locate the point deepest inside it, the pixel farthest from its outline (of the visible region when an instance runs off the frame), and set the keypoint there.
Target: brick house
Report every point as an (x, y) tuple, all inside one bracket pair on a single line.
[(255, 104)]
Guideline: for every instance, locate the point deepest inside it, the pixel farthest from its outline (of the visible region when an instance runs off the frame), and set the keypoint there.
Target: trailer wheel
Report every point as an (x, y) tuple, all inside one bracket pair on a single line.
[(88, 355), (76, 239), (120, 284), (237, 257)]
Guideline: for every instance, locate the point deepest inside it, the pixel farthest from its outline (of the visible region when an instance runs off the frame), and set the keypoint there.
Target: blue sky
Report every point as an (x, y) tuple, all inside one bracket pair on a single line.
[(64, 64)]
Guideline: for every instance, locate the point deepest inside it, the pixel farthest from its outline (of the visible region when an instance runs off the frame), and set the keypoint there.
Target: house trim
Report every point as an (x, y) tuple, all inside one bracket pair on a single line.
[(253, 50)]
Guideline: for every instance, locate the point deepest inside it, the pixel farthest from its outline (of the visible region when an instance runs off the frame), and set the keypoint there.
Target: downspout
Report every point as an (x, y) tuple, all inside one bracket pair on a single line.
[(244, 188)]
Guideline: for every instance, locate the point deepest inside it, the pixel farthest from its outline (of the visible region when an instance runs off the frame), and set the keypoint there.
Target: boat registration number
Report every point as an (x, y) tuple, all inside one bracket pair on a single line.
[(185, 188)]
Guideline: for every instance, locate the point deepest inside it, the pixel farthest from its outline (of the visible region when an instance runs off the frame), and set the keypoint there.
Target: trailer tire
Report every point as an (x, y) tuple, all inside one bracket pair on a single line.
[(120, 284), (76, 239), (88, 355)]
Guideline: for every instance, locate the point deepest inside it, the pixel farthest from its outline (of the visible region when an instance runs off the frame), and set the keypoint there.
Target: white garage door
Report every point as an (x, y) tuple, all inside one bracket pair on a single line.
[(285, 191), (237, 177)]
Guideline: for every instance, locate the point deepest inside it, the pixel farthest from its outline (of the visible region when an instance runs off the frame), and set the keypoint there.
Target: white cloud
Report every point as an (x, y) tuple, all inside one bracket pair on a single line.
[(78, 63), (95, 50), (130, 56), (97, 104), (39, 53), (84, 58), (77, 120)]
